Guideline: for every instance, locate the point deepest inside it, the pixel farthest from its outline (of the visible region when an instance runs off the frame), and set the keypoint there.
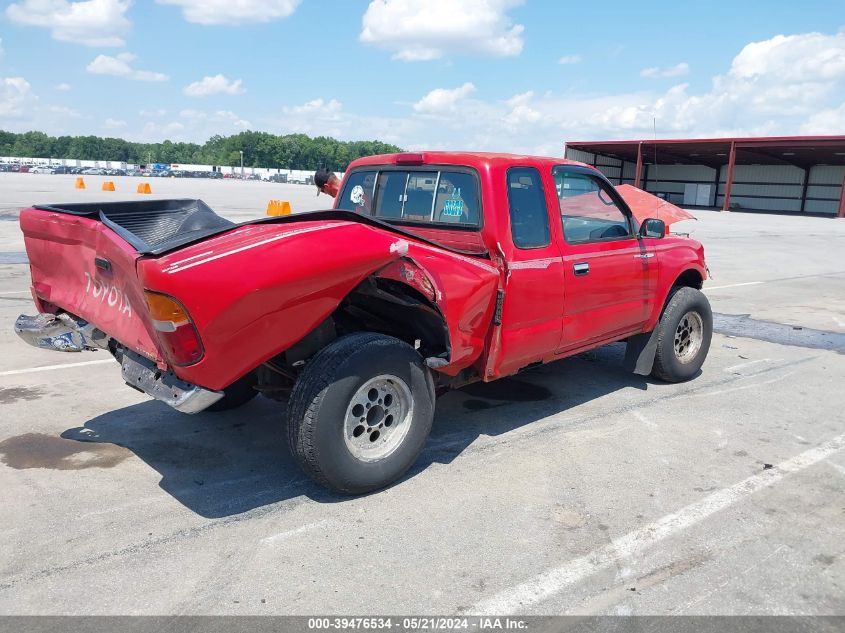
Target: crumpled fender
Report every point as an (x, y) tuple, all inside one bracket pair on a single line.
[(257, 290), (462, 288)]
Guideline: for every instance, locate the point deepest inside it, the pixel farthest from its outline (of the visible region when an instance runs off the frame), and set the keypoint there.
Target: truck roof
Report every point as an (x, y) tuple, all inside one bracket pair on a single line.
[(470, 159)]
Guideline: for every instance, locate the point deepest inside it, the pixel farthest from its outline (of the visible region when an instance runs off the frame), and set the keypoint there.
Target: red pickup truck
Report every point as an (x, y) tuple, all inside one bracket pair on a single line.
[(432, 271)]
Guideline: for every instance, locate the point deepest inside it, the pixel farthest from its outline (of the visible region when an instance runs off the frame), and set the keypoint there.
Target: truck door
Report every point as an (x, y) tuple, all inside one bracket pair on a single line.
[(533, 304), (611, 275)]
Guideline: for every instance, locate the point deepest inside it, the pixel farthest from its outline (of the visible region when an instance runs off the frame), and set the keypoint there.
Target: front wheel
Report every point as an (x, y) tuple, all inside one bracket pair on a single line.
[(683, 336), (360, 412)]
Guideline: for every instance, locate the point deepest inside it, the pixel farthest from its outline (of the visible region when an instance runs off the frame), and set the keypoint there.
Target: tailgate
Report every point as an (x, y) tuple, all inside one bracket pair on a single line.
[(83, 267)]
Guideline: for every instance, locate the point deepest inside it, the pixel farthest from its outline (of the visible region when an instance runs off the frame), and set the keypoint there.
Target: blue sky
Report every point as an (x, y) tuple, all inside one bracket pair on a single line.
[(476, 74)]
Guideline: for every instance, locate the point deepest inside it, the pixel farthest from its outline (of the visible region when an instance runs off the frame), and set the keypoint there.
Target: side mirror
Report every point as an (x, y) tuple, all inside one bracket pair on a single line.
[(652, 227)]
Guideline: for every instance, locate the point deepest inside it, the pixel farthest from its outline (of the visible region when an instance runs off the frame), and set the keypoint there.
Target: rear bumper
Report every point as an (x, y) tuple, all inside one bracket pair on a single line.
[(61, 333), (64, 333), (143, 375)]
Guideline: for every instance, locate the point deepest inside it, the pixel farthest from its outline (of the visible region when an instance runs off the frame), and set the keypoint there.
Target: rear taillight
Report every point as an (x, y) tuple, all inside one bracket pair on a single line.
[(176, 332)]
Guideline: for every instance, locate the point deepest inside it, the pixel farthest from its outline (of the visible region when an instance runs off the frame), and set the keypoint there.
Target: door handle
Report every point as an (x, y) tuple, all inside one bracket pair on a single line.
[(644, 256), (102, 263), (581, 268)]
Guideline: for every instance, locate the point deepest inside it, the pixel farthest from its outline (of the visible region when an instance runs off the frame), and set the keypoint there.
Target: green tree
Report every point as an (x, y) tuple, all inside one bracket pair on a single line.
[(261, 149)]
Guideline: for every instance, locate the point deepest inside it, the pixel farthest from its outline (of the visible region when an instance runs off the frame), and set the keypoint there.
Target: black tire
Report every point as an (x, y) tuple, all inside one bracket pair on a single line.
[(670, 364), (237, 394), (323, 397)]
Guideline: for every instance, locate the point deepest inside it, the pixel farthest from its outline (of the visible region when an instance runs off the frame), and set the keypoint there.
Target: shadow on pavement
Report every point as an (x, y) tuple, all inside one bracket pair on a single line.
[(222, 464)]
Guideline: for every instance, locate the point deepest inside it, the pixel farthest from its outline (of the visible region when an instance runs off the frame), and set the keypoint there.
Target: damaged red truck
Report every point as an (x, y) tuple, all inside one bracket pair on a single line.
[(432, 271)]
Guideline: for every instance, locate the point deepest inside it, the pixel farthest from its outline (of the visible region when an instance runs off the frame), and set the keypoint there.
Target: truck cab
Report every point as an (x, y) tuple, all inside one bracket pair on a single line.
[(578, 269)]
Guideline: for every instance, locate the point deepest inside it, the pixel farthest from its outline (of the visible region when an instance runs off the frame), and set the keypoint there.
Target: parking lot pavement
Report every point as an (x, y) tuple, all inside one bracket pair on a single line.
[(572, 488)]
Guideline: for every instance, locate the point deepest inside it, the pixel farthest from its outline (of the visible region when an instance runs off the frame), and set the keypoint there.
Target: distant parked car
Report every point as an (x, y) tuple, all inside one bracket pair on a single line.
[(61, 169), (41, 169), (24, 169)]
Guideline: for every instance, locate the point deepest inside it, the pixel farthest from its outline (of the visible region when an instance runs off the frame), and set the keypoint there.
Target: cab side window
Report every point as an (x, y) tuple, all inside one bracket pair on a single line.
[(528, 211), (587, 210), (357, 193)]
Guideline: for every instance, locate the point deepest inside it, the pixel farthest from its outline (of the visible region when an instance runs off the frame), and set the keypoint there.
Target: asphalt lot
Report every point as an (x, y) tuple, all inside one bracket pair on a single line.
[(574, 488)]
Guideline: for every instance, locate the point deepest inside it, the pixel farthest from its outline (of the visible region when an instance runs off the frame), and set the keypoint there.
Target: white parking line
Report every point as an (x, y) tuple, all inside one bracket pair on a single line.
[(15, 292), (545, 585), (748, 364), (747, 283), (281, 536), (32, 370)]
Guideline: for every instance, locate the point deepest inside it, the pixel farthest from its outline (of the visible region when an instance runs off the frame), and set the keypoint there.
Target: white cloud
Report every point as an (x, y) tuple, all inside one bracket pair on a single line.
[(92, 22), (62, 87), (830, 121), (223, 117), (441, 100), (214, 85), (15, 96), (160, 112), (192, 125), (317, 108), (64, 111), (678, 70), (416, 30), (569, 60), (521, 110), (120, 66), (234, 11), (114, 124)]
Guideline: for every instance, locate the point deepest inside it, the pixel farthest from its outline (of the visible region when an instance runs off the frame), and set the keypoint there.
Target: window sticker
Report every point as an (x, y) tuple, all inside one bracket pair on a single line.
[(453, 208), (357, 195)]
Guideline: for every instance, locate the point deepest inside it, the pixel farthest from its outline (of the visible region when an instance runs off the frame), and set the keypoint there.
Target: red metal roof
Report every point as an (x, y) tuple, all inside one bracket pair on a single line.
[(801, 151)]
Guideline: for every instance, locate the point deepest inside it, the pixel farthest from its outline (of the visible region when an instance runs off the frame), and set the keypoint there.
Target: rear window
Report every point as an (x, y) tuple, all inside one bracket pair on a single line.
[(422, 196)]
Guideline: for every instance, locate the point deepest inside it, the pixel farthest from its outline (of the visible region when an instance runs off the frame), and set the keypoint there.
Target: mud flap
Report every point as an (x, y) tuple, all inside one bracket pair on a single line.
[(640, 351)]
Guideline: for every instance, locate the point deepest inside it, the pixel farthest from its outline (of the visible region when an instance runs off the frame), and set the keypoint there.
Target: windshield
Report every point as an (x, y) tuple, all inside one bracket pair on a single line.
[(421, 196)]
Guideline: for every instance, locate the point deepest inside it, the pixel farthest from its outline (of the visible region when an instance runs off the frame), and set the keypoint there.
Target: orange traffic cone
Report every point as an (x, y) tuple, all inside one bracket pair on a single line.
[(144, 187), (278, 207), (80, 183), (108, 186)]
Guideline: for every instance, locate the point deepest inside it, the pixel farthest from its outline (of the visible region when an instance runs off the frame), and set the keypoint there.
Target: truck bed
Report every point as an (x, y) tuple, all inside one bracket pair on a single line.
[(152, 227)]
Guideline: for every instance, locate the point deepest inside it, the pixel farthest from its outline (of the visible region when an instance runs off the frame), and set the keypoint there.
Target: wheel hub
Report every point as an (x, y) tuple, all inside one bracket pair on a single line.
[(688, 337), (378, 418)]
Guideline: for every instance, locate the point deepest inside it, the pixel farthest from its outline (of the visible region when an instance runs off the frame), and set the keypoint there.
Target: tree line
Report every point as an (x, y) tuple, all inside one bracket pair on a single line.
[(261, 149)]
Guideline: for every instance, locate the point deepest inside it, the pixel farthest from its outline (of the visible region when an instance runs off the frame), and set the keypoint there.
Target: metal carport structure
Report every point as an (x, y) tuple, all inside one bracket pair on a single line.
[(803, 174)]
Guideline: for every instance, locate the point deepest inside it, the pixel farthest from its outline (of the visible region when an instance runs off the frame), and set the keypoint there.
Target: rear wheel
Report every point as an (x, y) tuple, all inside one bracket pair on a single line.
[(237, 394), (683, 336), (360, 412)]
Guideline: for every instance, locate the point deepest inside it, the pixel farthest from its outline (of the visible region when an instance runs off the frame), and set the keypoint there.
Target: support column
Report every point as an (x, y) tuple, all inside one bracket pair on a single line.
[(729, 180), (841, 213), (639, 165), (804, 185)]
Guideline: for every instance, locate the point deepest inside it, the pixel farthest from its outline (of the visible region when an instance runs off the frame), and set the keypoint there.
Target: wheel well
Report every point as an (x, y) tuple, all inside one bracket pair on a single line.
[(393, 308), (380, 305), (690, 278)]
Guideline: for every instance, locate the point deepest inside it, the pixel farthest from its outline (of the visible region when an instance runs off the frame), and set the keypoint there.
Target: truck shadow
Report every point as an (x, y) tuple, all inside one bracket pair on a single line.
[(223, 464)]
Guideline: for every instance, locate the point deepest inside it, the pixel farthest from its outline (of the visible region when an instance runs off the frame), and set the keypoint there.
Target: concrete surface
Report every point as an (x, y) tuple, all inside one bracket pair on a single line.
[(574, 488)]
